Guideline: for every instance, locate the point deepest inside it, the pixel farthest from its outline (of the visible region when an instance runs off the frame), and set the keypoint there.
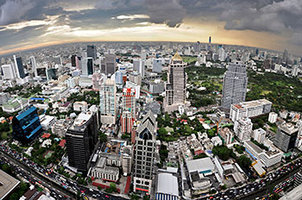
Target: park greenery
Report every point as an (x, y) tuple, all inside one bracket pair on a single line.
[(284, 92), (91, 97)]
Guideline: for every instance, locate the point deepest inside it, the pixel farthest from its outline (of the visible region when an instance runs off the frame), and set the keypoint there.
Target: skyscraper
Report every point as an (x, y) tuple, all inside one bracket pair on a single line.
[(139, 66), (108, 102), (26, 125), (81, 140), (87, 66), (108, 65), (34, 66), (234, 85), (176, 84), (144, 154), (19, 67), (91, 51), (73, 61), (128, 105), (286, 137)]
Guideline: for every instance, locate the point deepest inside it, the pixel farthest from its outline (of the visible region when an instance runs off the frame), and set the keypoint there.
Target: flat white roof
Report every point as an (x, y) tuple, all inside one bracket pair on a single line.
[(167, 184), (8, 183), (202, 164)]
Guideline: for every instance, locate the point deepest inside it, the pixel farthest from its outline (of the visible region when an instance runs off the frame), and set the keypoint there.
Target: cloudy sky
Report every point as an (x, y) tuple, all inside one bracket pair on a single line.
[(273, 24)]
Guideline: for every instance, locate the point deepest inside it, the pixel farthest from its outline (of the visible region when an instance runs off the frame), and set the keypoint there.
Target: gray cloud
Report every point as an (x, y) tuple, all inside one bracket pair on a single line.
[(169, 12)]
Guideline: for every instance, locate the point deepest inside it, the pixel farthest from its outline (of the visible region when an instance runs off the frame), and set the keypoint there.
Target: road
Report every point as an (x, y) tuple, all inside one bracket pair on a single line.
[(32, 176)]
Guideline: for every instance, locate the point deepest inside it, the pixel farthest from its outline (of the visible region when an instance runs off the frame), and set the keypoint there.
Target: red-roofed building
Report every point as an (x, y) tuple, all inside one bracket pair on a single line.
[(46, 135), (62, 143)]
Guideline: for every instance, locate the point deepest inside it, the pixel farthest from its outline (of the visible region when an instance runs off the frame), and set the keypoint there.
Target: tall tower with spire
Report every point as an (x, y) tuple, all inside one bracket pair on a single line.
[(176, 84)]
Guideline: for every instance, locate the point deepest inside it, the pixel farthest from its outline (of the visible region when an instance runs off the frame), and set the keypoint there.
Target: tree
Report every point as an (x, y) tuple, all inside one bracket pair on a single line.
[(103, 137), (244, 161), (223, 152)]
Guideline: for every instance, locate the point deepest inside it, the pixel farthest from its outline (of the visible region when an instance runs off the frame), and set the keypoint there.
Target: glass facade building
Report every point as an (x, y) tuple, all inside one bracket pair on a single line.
[(26, 125)]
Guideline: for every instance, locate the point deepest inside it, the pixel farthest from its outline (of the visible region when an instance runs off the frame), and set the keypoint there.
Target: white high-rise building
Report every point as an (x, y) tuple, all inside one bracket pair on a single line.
[(108, 102), (139, 66), (243, 129), (176, 84), (272, 117), (33, 65), (8, 72), (221, 54)]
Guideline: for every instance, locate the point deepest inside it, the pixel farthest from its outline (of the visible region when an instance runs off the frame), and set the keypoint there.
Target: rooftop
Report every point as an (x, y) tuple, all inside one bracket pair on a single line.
[(289, 128), (167, 184), (202, 164), (7, 184)]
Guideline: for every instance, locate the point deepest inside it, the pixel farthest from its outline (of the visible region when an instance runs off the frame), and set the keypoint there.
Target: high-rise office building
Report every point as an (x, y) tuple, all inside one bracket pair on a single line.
[(8, 72), (108, 102), (243, 129), (19, 67), (234, 85), (286, 137), (176, 84), (221, 54), (144, 154), (139, 66), (91, 51), (87, 66), (108, 64), (26, 125), (81, 140)]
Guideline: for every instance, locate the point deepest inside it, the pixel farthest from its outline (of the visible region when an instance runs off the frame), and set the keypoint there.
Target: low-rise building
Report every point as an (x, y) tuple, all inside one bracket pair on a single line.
[(272, 117), (167, 187), (8, 184), (80, 106), (267, 158), (47, 121)]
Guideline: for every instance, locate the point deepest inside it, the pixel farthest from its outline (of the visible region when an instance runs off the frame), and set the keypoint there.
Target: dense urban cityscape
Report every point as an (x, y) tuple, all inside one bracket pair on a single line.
[(150, 100), (151, 120)]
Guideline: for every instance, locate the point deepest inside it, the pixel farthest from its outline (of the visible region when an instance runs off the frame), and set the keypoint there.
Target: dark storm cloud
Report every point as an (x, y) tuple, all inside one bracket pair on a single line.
[(169, 12)]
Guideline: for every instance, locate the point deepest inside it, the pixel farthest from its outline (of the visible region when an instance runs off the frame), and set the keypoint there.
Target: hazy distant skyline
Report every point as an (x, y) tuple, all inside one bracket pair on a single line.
[(260, 23)]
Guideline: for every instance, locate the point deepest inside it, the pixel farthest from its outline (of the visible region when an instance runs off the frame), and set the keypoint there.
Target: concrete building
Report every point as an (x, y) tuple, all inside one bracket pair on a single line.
[(144, 155), (4, 97), (176, 84), (8, 184), (243, 129), (272, 117), (126, 157), (127, 121), (19, 68), (47, 122), (167, 187), (108, 102), (227, 135), (135, 78), (137, 88), (250, 109), (234, 85), (81, 140), (8, 72), (80, 106), (267, 158), (286, 137), (104, 172)]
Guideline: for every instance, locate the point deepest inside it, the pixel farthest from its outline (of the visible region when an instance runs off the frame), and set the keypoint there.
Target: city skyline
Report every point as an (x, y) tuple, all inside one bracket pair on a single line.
[(264, 24)]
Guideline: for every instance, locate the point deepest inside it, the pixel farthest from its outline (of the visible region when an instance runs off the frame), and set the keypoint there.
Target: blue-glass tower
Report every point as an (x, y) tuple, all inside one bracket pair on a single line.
[(26, 125)]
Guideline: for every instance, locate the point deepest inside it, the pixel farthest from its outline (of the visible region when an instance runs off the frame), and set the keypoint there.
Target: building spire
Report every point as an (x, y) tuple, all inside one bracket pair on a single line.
[(177, 56)]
